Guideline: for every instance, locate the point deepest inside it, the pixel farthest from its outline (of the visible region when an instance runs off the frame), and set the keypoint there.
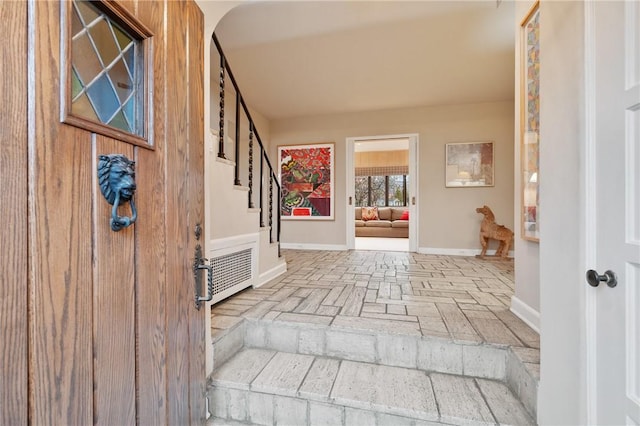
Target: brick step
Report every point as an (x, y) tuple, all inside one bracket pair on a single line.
[(267, 387), (375, 342)]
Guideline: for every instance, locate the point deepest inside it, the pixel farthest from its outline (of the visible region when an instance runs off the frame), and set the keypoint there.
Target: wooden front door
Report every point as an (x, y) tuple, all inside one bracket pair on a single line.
[(97, 326)]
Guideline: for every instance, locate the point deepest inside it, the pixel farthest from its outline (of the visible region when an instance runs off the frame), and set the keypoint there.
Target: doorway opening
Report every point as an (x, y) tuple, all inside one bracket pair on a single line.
[(381, 192)]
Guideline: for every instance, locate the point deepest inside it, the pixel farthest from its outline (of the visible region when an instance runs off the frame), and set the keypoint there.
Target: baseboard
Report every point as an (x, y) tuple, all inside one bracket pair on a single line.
[(325, 247), (526, 313), (456, 252), (272, 273)]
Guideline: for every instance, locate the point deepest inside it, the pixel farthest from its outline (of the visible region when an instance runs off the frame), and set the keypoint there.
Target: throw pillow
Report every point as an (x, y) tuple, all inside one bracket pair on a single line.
[(405, 215), (369, 213)]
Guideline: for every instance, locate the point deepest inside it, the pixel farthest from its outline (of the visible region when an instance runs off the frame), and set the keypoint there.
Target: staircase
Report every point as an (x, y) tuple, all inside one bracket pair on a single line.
[(244, 194), (291, 373)]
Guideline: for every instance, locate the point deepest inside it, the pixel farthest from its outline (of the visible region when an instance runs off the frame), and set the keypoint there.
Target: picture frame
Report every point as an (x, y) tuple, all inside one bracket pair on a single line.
[(469, 164), (306, 174), (530, 124)]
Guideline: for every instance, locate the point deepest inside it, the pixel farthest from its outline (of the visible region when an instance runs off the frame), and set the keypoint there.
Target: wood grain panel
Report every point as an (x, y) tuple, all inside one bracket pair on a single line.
[(113, 305), (13, 204), (60, 290), (178, 255), (195, 70), (151, 241)]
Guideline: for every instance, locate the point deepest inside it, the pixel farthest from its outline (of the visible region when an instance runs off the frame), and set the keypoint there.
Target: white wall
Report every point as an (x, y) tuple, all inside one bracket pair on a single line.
[(561, 397), (447, 215)]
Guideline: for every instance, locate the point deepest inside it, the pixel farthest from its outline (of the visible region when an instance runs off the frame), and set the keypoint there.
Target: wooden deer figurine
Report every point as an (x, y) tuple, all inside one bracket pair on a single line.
[(489, 229)]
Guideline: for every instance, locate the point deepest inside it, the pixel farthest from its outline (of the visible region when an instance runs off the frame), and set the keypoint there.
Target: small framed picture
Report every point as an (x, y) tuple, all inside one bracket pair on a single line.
[(469, 165)]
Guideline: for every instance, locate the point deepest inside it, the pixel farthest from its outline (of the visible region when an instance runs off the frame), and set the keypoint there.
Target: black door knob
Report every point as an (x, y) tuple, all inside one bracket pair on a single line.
[(609, 277)]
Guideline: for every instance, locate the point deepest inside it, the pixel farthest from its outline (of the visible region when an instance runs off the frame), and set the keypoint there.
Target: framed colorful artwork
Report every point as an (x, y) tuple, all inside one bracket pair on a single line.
[(530, 124), (469, 165), (306, 178)]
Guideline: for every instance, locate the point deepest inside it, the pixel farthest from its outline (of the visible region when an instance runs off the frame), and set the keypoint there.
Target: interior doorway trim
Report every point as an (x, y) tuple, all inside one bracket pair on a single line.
[(412, 195)]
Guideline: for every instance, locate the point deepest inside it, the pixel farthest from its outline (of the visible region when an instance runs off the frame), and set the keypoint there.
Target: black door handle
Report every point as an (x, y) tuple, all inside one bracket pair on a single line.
[(609, 277)]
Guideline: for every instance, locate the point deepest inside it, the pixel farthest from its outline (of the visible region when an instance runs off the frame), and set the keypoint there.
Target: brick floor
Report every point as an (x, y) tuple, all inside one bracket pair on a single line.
[(460, 298)]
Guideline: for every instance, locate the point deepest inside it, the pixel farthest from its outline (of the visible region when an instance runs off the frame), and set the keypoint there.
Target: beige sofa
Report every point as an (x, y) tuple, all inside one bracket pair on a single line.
[(388, 225)]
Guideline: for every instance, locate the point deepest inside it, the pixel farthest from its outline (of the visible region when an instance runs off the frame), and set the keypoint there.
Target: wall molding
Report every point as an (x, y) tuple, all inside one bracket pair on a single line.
[(272, 273), (526, 313), (236, 240), (323, 247)]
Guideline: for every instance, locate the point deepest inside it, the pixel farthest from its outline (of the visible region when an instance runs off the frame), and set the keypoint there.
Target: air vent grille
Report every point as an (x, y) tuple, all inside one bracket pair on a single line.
[(230, 270)]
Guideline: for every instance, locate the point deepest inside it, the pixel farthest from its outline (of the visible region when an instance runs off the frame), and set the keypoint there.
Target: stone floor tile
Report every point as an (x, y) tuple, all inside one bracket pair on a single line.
[(439, 355), (312, 302), (290, 411), (433, 299), (333, 295), (357, 417), (259, 310), (460, 401), (325, 414), (282, 294), (397, 309), (530, 355), (519, 328), (261, 408), (494, 331), (353, 346), (320, 378), (422, 309), (376, 325), (224, 321), (240, 370), (346, 291), (484, 361), (283, 375), (353, 304), (472, 313), (330, 311), (303, 292), (304, 318), (395, 390), (456, 322), (237, 405), (399, 351), (503, 404), (288, 304), (376, 308), (390, 317)]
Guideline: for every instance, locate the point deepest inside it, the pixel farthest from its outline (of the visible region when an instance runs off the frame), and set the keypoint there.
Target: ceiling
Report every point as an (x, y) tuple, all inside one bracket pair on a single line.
[(306, 58)]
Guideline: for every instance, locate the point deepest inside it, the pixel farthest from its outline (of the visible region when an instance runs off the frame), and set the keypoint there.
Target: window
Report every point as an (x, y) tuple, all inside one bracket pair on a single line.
[(381, 191), (106, 71)]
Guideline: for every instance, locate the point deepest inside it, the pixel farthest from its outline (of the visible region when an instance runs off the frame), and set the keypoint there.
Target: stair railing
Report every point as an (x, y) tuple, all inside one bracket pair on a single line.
[(241, 106)]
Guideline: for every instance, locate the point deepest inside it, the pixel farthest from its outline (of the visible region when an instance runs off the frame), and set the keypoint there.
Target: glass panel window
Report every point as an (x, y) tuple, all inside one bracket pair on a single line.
[(107, 70), (381, 191), (362, 191), (396, 190), (377, 191)]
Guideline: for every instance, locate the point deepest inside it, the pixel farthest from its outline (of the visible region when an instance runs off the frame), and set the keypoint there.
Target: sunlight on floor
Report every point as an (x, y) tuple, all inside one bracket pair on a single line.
[(382, 244)]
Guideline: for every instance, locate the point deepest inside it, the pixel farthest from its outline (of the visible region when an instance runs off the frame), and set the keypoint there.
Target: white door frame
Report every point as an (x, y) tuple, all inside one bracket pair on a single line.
[(412, 196), (589, 215)]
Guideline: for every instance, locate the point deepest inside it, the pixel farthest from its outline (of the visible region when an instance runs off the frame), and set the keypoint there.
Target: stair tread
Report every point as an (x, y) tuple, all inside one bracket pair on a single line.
[(399, 391)]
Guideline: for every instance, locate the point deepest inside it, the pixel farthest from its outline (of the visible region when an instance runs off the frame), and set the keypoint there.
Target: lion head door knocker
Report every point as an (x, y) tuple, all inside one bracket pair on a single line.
[(116, 176)]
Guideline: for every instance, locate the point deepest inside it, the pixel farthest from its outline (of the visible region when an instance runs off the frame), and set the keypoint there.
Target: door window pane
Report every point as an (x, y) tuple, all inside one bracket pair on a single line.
[(107, 70)]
